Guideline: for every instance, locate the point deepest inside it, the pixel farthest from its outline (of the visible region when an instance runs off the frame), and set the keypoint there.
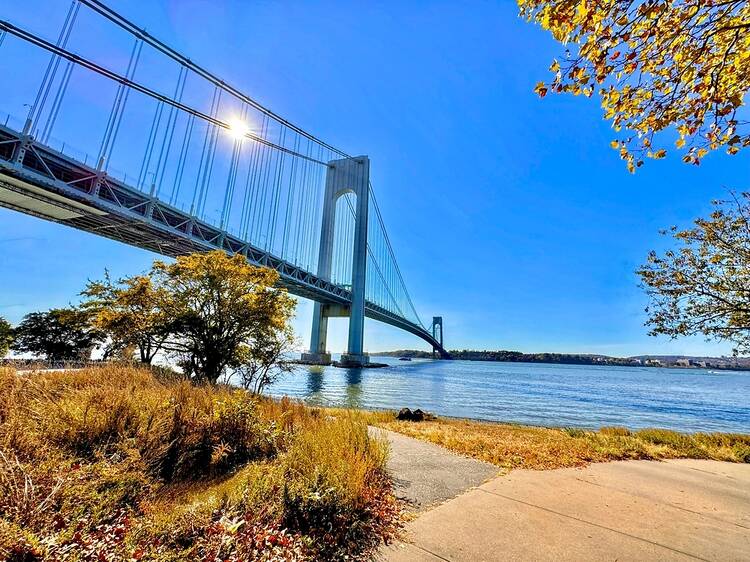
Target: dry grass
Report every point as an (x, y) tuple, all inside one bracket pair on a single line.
[(515, 446), (112, 463)]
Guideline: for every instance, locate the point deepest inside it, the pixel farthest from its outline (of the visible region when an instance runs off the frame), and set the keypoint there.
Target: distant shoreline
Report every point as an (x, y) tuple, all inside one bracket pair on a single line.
[(658, 361)]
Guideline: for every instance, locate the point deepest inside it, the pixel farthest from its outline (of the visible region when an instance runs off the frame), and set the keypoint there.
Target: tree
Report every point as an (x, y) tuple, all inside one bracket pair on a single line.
[(656, 64), (130, 312), (59, 334), (216, 305), (264, 359), (703, 286), (6, 336)]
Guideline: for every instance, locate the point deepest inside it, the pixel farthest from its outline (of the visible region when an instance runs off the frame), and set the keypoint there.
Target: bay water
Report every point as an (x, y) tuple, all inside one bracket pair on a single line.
[(553, 395)]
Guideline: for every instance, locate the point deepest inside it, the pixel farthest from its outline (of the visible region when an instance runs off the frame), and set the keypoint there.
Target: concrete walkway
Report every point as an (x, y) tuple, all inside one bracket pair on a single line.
[(633, 510), (425, 475)]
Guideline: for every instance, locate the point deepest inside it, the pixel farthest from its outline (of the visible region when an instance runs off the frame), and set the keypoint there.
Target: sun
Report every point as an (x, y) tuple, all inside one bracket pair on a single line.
[(237, 128)]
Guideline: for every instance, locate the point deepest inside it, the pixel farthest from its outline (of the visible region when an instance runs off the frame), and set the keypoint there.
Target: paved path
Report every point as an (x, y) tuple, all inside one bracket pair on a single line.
[(633, 510), (425, 475)]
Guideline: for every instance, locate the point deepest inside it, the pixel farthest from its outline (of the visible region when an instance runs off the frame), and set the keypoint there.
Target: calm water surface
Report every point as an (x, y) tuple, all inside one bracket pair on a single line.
[(537, 394)]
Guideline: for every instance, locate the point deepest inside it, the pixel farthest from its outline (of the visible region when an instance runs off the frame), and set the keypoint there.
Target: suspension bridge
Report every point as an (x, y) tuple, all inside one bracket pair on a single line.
[(179, 161)]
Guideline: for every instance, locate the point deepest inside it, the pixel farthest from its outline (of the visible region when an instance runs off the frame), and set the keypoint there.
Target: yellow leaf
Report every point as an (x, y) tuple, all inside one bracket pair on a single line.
[(582, 11)]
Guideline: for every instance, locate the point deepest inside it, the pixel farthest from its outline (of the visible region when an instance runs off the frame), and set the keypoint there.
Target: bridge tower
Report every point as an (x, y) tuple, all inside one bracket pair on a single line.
[(348, 175), (437, 331)]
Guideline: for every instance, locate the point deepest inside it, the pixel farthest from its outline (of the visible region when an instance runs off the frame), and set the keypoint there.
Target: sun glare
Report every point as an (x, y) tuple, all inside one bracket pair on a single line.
[(238, 128)]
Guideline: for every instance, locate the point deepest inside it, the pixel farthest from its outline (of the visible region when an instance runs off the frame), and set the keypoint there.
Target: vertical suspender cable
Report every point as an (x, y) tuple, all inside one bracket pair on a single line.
[(291, 193), (261, 192), (249, 225), (118, 106), (146, 161), (211, 158), (232, 178), (57, 102), (305, 190), (35, 111), (209, 128), (271, 237), (166, 142), (268, 185), (252, 166), (182, 159), (314, 214)]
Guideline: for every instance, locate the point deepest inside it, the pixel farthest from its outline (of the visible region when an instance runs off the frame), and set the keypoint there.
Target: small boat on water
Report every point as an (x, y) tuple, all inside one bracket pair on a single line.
[(404, 358)]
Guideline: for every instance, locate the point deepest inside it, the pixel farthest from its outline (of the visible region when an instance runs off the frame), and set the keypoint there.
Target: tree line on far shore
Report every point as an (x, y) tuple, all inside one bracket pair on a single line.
[(507, 356), (211, 314)]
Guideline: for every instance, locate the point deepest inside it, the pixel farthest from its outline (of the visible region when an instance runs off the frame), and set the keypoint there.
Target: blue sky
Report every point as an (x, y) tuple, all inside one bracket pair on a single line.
[(510, 216)]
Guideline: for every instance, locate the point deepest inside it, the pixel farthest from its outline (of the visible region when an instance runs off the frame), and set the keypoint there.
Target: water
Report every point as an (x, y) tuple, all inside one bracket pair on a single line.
[(536, 394)]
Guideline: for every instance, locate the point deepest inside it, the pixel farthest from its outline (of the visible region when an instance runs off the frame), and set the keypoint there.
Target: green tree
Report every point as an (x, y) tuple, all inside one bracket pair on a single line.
[(130, 312), (218, 305), (265, 358), (703, 286), (58, 334), (6, 336), (656, 64)]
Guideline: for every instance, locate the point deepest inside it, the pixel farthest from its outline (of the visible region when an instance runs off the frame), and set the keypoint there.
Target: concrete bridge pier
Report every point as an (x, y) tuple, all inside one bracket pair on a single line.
[(318, 353), (348, 175)]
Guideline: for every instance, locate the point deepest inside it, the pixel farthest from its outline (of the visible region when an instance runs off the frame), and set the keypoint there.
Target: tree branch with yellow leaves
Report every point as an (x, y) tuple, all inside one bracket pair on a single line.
[(657, 65)]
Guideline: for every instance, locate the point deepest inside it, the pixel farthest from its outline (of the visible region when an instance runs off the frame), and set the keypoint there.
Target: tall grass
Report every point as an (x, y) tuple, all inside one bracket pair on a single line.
[(514, 446), (118, 462), (178, 430)]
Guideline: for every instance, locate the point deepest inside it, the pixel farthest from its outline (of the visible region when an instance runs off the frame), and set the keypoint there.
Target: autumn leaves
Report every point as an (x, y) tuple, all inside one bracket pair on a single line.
[(657, 65)]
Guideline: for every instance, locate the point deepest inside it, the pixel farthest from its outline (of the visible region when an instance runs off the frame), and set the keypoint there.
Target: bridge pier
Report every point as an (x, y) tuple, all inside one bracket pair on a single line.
[(318, 353), (348, 175)]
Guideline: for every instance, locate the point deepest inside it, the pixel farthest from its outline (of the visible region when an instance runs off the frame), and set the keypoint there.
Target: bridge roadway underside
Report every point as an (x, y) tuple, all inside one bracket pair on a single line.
[(39, 181)]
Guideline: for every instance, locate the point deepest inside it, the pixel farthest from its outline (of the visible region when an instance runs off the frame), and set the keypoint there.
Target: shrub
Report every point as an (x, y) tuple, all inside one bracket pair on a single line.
[(328, 471), (741, 452), (574, 432), (725, 446), (679, 443), (615, 431)]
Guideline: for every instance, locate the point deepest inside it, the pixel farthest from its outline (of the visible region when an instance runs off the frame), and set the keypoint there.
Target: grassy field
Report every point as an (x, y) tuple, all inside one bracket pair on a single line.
[(112, 463), (515, 446), (116, 463)]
